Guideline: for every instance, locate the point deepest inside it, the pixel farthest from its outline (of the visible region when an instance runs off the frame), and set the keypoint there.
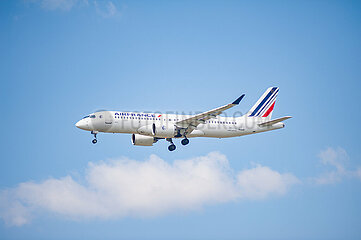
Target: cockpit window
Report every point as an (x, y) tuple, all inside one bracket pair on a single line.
[(86, 116), (92, 116)]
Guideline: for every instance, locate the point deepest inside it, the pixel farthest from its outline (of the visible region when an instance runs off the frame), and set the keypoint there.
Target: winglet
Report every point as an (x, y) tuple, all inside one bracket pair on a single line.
[(238, 99)]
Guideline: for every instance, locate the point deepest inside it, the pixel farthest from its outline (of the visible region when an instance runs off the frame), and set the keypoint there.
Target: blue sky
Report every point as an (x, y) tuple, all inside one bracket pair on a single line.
[(62, 59)]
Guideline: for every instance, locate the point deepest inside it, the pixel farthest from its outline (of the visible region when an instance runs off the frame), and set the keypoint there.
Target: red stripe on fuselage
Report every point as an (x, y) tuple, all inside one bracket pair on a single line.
[(269, 110)]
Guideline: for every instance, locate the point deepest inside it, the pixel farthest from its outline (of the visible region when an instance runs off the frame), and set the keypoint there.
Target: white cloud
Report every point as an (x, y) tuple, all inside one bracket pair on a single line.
[(106, 9), (112, 10), (57, 4), (127, 187), (261, 181), (335, 158), (358, 173)]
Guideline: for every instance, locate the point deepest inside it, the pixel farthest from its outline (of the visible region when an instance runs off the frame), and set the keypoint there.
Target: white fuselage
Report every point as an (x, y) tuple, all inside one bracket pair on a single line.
[(140, 123)]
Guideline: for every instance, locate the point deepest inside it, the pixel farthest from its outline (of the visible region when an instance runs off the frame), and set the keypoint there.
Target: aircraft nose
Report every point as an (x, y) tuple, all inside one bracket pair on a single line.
[(82, 124)]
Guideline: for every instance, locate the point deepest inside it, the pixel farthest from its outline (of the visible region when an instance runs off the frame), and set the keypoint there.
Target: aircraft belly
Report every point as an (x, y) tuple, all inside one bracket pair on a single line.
[(221, 132)]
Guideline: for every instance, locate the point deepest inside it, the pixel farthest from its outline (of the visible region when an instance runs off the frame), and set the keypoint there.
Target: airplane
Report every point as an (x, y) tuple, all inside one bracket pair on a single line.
[(148, 128)]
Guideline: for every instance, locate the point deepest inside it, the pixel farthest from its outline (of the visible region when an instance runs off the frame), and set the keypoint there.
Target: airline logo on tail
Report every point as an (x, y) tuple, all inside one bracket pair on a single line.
[(264, 106)]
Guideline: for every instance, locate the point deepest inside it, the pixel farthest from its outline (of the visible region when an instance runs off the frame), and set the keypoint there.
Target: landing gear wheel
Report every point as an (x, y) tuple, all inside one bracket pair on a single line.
[(94, 141), (185, 141), (171, 147)]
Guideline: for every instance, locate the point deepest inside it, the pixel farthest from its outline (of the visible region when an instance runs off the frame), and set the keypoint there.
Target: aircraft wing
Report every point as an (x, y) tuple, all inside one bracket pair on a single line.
[(192, 122)]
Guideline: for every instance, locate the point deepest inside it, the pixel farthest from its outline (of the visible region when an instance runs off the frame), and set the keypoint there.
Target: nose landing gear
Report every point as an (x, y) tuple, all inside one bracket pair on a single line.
[(94, 141)]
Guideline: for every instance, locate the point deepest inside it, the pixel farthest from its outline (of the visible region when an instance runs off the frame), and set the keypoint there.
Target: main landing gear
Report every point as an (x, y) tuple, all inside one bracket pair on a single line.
[(185, 141), (94, 141), (172, 147)]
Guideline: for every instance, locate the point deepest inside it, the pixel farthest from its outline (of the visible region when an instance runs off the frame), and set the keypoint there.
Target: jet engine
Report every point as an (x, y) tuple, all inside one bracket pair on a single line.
[(141, 140), (158, 130)]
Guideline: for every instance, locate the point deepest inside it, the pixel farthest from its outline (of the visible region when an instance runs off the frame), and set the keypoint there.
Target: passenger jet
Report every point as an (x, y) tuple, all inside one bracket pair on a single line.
[(148, 128)]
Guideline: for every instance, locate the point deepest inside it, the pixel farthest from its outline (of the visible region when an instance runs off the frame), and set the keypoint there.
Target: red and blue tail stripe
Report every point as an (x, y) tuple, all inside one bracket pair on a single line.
[(265, 103), (268, 104)]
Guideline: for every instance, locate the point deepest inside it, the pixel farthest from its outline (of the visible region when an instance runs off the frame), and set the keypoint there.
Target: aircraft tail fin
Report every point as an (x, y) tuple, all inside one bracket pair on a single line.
[(265, 105)]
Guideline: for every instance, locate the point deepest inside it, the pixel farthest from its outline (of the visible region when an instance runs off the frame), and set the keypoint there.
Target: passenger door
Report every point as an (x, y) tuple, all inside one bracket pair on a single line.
[(108, 118)]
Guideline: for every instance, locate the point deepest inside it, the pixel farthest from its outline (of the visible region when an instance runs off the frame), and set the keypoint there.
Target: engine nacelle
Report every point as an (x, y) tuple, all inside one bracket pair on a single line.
[(147, 130), (141, 140), (165, 131), (158, 130)]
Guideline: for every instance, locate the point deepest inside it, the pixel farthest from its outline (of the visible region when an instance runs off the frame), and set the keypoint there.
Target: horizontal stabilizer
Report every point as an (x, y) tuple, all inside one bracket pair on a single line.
[(274, 121)]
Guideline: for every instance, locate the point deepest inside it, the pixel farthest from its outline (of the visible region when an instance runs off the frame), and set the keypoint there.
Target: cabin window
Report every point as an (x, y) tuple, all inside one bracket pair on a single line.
[(92, 116)]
